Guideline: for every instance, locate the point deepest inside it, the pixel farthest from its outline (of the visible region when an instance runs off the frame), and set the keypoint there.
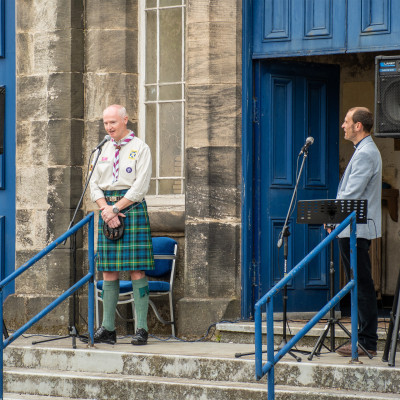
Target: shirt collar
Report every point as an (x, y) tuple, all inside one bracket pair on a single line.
[(356, 145)]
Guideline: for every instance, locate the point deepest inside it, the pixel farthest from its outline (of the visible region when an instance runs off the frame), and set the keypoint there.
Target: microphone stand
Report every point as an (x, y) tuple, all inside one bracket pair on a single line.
[(73, 332), (283, 237), (285, 234)]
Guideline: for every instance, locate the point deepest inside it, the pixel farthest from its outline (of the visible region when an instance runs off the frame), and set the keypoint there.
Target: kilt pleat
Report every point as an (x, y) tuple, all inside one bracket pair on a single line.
[(134, 250)]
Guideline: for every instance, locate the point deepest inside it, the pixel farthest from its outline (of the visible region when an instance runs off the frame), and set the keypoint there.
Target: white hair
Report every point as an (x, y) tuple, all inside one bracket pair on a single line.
[(121, 110)]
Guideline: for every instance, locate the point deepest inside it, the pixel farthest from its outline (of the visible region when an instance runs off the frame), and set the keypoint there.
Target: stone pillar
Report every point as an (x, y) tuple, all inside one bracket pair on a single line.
[(49, 56), (111, 63), (111, 77), (212, 265)]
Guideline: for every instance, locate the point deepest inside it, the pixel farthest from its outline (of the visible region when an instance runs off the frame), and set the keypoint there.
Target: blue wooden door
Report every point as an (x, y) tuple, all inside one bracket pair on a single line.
[(7, 140), (295, 101)]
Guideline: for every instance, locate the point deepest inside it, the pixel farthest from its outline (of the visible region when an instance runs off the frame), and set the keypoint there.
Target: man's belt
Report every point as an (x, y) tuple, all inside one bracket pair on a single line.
[(114, 199)]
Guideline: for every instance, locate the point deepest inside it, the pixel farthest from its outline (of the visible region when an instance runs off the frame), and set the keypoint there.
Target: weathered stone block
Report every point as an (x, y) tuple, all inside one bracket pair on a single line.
[(42, 15), (212, 53), (65, 95), (58, 51), (32, 98), (31, 191), (197, 314), (212, 264), (24, 45), (30, 230), (112, 51), (103, 90), (212, 115), (167, 221), (65, 142), (212, 183), (58, 221), (30, 138), (119, 14), (65, 187), (221, 10)]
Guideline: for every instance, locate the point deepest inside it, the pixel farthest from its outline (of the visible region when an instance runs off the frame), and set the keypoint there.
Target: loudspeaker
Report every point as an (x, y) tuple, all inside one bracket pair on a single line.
[(387, 96)]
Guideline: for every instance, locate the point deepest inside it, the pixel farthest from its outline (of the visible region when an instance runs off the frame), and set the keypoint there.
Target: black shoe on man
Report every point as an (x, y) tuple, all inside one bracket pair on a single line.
[(102, 335), (140, 337)]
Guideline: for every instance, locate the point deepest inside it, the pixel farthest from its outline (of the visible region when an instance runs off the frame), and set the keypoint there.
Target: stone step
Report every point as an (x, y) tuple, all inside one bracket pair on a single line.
[(328, 371), (16, 396), (59, 384), (243, 332)]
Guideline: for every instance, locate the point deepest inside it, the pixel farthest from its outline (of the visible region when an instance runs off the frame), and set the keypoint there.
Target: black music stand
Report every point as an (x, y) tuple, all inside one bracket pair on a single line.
[(330, 213), (394, 327)]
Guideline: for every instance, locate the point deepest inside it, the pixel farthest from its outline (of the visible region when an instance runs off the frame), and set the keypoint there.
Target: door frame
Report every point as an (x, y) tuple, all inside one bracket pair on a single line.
[(8, 192)]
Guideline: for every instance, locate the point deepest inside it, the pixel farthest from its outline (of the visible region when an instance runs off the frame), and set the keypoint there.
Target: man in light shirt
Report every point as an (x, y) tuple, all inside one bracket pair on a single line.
[(119, 184)]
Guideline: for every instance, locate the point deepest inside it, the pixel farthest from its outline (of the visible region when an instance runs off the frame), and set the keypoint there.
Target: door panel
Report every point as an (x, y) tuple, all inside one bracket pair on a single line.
[(296, 101)]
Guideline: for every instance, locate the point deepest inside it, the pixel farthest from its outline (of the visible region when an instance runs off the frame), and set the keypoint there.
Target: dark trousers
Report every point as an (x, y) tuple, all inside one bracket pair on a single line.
[(367, 305)]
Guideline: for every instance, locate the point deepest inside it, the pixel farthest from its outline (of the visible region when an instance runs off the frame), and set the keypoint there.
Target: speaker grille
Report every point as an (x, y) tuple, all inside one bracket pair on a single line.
[(387, 96)]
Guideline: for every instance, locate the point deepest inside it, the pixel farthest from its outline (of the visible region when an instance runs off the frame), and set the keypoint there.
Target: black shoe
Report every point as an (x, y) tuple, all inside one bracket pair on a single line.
[(102, 335), (140, 337)]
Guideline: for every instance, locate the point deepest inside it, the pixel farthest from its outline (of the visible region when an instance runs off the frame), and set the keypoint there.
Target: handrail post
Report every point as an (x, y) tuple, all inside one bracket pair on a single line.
[(354, 291), (258, 340), (270, 348), (91, 282), (2, 346)]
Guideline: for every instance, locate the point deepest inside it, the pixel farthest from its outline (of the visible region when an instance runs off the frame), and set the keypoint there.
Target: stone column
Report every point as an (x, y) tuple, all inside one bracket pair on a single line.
[(213, 84), (49, 56)]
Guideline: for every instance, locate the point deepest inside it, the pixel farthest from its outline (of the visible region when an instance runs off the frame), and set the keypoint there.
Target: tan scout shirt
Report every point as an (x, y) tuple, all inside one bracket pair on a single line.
[(134, 170)]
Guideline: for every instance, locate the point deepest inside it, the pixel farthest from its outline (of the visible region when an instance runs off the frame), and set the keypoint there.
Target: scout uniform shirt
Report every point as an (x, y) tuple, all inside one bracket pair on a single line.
[(134, 170)]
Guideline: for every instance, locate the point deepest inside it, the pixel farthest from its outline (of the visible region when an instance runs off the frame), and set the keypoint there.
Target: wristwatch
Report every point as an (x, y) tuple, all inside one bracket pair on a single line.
[(115, 209)]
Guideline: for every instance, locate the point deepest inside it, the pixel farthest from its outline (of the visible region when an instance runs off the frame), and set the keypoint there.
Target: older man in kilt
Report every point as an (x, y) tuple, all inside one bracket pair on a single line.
[(118, 186)]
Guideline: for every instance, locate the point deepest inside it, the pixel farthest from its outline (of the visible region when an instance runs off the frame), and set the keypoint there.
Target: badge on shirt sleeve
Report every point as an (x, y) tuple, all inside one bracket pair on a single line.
[(133, 154)]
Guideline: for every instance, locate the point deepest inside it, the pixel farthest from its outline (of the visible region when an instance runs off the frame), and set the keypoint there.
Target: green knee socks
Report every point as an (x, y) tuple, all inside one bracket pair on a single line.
[(141, 297), (110, 299)]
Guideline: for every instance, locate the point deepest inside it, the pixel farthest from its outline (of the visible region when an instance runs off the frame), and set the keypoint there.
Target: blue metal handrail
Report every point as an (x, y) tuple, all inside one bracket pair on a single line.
[(89, 278), (267, 299)]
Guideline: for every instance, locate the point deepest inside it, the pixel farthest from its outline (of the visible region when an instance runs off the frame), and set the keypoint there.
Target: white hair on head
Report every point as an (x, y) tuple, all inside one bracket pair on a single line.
[(121, 110)]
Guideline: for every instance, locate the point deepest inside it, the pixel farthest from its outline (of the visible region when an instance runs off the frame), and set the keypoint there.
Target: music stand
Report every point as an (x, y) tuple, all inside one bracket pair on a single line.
[(330, 213)]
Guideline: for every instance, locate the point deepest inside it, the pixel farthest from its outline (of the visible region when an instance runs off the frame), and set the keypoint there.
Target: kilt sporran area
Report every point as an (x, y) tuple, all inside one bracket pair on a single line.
[(134, 250)]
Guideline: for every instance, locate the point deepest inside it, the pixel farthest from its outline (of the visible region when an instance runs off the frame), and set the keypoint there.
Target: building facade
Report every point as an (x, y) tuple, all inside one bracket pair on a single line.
[(225, 93)]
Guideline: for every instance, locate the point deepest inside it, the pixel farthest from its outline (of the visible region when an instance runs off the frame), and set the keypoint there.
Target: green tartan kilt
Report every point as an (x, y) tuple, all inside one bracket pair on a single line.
[(134, 250)]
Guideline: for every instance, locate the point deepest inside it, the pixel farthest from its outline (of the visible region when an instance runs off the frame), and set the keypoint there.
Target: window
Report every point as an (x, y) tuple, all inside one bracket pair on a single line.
[(162, 91)]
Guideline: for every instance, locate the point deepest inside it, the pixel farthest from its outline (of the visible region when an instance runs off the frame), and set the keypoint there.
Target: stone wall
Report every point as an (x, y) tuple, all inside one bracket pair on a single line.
[(74, 58), (212, 213), (49, 131)]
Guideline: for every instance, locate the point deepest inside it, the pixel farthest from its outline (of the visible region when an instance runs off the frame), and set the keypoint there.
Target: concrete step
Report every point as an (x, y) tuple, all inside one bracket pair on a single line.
[(16, 396), (56, 384), (326, 371), (171, 370), (243, 332)]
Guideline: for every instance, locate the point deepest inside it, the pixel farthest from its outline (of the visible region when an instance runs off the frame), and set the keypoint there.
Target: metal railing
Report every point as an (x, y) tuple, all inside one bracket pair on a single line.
[(267, 299), (88, 278)]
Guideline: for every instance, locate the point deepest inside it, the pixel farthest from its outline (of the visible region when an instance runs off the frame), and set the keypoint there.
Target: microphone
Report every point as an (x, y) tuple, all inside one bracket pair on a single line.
[(307, 144), (100, 145)]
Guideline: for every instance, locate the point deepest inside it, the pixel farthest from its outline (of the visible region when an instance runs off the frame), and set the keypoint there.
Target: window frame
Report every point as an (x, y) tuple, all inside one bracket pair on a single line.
[(160, 199)]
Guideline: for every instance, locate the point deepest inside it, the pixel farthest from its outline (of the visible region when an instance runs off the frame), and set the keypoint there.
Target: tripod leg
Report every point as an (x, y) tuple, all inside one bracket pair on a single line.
[(317, 348), (5, 331), (393, 314), (395, 336)]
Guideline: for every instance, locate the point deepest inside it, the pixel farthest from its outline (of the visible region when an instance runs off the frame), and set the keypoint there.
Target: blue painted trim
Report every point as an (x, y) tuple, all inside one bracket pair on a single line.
[(7, 192), (247, 158), (2, 248), (2, 29)]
